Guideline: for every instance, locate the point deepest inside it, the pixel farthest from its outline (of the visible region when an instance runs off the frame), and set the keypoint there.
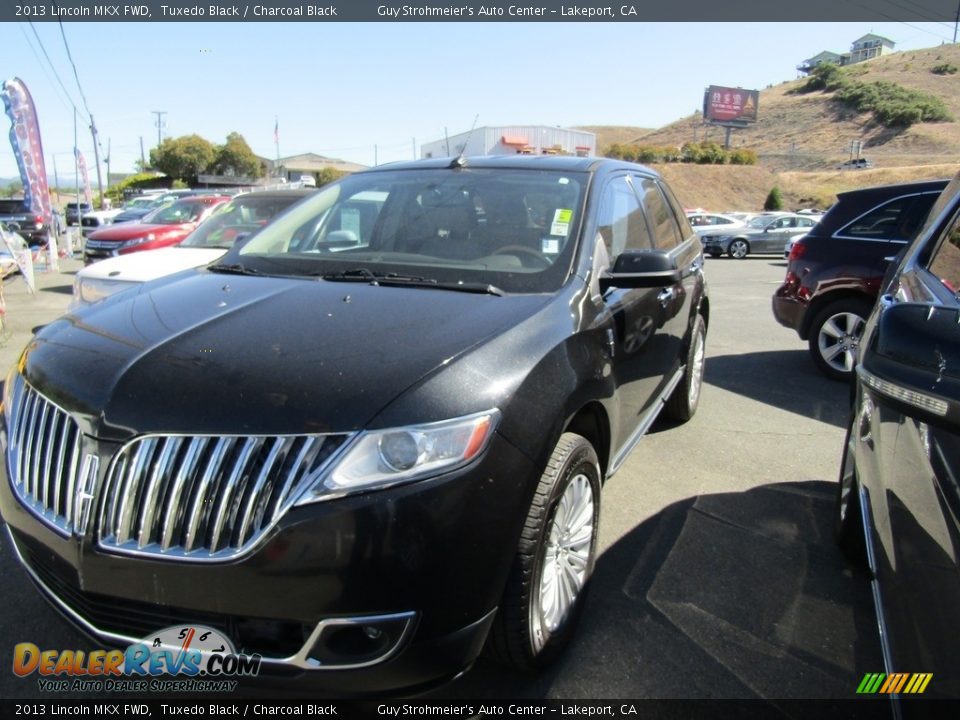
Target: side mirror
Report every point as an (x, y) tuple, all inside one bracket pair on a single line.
[(641, 269), (913, 360)]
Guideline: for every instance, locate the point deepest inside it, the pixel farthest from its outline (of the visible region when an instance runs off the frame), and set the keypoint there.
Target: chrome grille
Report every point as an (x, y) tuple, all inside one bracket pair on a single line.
[(205, 497), (43, 454)]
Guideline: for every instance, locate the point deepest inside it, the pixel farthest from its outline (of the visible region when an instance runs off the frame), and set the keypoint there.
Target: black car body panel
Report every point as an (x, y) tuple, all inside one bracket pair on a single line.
[(314, 343), (904, 450)]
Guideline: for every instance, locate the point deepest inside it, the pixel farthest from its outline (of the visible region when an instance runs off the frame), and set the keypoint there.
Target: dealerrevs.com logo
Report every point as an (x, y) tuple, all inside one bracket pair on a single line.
[(199, 658)]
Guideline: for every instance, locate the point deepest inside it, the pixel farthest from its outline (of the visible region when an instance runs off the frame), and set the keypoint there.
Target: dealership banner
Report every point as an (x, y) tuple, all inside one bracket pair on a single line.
[(27, 148), (152, 11), (84, 176)]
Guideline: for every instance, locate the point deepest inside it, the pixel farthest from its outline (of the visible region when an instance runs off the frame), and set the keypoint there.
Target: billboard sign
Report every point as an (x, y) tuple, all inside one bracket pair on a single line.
[(734, 106)]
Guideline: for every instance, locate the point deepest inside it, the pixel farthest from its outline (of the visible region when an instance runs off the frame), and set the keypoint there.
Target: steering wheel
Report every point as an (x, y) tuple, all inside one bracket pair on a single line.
[(539, 260)]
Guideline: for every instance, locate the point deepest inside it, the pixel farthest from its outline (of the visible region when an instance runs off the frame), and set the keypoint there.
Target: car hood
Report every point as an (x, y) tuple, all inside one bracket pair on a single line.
[(150, 264), (128, 231), (215, 353)]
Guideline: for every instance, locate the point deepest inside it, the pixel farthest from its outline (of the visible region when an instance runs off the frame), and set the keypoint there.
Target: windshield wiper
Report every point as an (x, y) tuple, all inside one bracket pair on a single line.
[(233, 269), (400, 280)]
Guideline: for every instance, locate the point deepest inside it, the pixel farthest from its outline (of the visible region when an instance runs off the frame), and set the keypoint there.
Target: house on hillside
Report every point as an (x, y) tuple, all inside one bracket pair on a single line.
[(826, 56), (514, 140), (865, 48)]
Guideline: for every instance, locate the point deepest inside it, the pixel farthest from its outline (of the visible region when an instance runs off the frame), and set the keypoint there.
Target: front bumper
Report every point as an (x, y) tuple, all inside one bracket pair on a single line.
[(426, 563), (94, 250)]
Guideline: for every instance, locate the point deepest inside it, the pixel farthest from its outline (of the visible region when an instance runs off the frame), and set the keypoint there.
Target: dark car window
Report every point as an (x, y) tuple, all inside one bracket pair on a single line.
[(621, 224), (685, 229), (664, 222), (945, 263), (898, 219)]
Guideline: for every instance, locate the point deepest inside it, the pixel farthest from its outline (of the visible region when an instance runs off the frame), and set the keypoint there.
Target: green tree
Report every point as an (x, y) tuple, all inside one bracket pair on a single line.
[(774, 200), (328, 175), (183, 158), (14, 189), (237, 159)]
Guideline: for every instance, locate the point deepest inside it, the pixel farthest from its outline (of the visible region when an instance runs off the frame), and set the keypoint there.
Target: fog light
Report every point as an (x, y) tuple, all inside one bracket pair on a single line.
[(399, 450)]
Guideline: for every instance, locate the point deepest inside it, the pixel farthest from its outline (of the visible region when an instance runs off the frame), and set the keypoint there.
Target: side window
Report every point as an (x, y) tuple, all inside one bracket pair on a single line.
[(665, 228), (945, 263), (899, 219), (621, 222)]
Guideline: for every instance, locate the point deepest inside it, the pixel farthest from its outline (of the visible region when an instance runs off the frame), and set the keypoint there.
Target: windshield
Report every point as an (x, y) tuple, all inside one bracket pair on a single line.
[(512, 229), (760, 222), (183, 211), (240, 217)]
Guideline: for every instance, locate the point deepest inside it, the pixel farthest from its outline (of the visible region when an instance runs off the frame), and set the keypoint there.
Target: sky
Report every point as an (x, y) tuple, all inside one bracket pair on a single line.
[(372, 92)]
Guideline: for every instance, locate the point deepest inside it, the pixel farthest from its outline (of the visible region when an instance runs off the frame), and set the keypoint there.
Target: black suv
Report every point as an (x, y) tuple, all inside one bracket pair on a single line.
[(75, 212), (18, 217), (373, 436), (898, 497), (835, 271)]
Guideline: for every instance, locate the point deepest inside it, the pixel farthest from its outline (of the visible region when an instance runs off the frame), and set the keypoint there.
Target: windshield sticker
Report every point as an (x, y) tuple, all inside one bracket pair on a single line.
[(561, 221), (549, 246)]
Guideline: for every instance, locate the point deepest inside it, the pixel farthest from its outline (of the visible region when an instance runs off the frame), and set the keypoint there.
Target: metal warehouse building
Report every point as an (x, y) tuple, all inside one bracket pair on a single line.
[(514, 139)]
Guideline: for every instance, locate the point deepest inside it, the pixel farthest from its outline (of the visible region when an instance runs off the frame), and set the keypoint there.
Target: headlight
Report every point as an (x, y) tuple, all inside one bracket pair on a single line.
[(91, 290), (138, 241), (380, 458)]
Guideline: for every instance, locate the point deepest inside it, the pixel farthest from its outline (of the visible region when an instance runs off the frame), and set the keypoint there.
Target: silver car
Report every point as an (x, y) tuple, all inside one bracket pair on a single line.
[(762, 234)]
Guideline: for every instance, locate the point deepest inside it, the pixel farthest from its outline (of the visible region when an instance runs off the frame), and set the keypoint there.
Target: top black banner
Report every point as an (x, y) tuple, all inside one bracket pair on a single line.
[(154, 11)]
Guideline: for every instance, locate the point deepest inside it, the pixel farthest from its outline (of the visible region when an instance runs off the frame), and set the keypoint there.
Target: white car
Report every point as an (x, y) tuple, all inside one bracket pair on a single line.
[(97, 219), (704, 222), (232, 221), (788, 247)]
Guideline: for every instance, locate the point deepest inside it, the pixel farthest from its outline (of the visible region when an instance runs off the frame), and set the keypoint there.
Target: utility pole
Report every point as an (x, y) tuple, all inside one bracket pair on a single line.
[(96, 159), (955, 23), (160, 124), (143, 158), (375, 156), (414, 148), (106, 162)]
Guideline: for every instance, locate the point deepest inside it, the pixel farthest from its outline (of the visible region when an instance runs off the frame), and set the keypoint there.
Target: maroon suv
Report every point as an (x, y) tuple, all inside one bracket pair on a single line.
[(836, 270)]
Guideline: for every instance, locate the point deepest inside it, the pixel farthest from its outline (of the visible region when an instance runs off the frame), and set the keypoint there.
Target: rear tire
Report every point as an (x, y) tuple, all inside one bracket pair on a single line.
[(848, 531), (683, 402), (835, 336), (548, 583)]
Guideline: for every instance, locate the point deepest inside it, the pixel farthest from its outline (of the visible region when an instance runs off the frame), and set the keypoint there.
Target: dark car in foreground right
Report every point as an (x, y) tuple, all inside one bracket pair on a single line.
[(898, 501), (834, 272), (372, 436)]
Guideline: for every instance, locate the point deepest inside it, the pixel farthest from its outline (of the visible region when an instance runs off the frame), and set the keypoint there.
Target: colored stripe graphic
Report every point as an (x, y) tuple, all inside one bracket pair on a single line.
[(908, 683)]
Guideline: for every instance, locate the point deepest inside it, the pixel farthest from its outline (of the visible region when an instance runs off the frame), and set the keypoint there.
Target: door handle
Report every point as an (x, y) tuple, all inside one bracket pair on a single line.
[(665, 296)]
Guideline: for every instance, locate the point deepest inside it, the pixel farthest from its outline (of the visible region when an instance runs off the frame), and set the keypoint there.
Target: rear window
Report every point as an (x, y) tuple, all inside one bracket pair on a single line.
[(898, 219), (10, 207)]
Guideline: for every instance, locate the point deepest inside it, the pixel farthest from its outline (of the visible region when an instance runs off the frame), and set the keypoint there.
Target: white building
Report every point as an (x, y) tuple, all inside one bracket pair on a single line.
[(513, 140)]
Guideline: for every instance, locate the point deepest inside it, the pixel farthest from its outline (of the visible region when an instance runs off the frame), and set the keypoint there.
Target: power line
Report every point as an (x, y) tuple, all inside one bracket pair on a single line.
[(26, 37)]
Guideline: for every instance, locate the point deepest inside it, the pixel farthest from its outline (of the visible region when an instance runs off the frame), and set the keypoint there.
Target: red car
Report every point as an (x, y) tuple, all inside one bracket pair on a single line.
[(161, 228)]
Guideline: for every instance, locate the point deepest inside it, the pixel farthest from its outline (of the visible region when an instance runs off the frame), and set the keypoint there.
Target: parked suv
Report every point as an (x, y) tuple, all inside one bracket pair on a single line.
[(898, 496), (18, 217), (373, 434), (834, 272), (75, 211)]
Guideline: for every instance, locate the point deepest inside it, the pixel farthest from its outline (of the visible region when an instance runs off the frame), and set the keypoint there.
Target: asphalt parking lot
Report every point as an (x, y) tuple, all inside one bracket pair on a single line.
[(717, 576)]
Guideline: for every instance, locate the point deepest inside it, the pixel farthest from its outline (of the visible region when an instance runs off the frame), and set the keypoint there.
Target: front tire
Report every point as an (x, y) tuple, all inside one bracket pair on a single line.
[(835, 337), (548, 583), (738, 249)]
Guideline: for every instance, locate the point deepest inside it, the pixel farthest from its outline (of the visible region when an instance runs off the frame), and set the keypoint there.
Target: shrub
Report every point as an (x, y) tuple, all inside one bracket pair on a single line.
[(743, 157), (774, 199), (944, 69)]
